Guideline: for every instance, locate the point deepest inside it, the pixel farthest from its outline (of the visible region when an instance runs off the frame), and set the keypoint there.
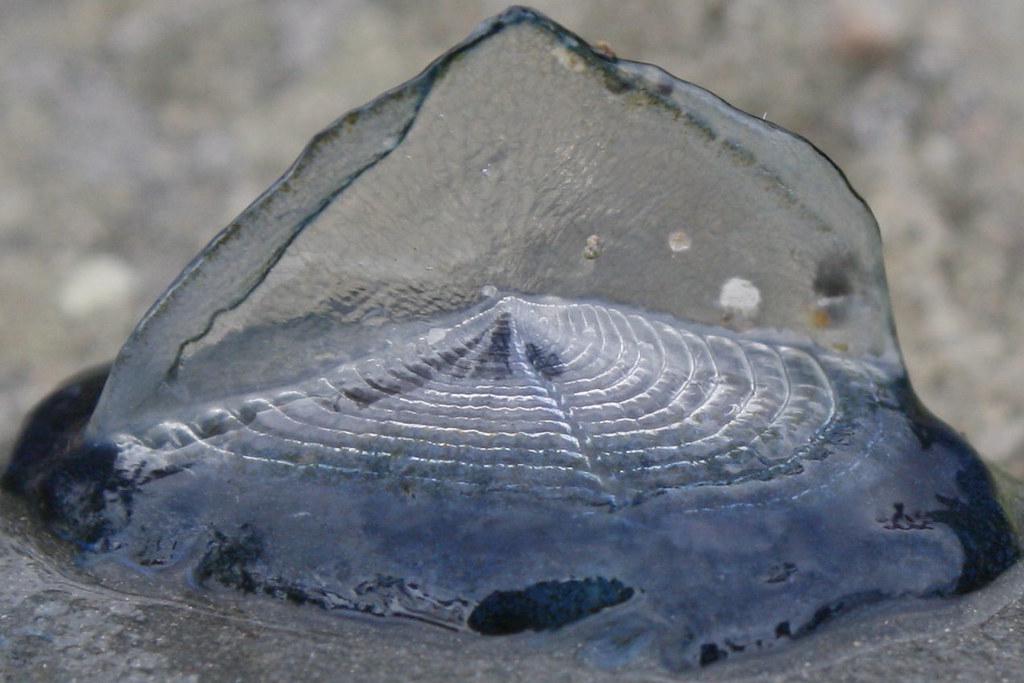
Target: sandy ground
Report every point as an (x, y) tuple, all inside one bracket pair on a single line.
[(132, 131)]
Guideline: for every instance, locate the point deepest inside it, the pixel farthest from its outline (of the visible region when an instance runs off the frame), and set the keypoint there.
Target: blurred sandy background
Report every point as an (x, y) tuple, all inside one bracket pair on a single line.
[(132, 130)]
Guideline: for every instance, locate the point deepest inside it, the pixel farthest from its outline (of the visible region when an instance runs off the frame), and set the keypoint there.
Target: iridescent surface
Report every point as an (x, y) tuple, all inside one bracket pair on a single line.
[(459, 365)]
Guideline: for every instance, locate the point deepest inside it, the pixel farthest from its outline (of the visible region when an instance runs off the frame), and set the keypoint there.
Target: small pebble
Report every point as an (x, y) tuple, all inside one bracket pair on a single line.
[(101, 282)]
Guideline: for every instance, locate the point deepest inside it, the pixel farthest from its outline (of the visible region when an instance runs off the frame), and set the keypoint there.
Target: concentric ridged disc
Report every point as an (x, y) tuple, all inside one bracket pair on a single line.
[(555, 398)]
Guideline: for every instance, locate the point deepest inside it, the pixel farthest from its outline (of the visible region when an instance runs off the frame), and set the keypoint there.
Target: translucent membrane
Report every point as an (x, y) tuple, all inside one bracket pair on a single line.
[(522, 161)]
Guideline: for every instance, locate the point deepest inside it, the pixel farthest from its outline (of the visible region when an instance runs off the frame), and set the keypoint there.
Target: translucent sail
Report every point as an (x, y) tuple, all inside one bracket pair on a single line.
[(523, 162)]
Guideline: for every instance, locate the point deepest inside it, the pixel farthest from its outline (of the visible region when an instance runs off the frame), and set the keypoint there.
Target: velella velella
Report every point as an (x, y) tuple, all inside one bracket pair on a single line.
[(542, 340)]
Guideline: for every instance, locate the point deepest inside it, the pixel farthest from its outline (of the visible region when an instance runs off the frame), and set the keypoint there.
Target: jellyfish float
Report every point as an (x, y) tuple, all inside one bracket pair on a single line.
[(541, 344)]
